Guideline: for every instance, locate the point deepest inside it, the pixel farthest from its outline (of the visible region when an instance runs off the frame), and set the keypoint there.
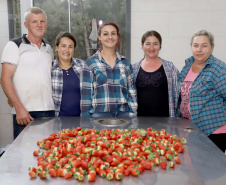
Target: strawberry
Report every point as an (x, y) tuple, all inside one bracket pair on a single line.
[(171, 164), (148, 165), (135, 171), (76, 163), (119, 175), (43, 174), (68, 175), (168, 156), (32, 174), (156, 161), (163, 164), (180, 149), (91, 178), (127, 172), (108, 158), (36, 152), (32, 169), (177, 160), (183, 141), (84, 165), (110, 176), (76, 175), (81, 177), (102, 173), (52, 172), (61, 172)]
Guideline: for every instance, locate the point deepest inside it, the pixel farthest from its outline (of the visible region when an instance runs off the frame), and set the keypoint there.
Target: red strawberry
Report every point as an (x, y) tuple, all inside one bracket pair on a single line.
[(135, 171), (177, 160), (119, 175), (91, 178), (148, 165), (163, 164), (156, 161), (36, 152), (32, 174), (180, 150), (43, 174), (32, 169), (76, 163), (81, 177), (52, 172), (171, 164), (108, 158), (127, 172), (102, 173), (110, 176), (168, 156), (68, 175)]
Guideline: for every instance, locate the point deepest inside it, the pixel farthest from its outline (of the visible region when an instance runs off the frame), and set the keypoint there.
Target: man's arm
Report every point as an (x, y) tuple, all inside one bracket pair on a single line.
[(22, 115)]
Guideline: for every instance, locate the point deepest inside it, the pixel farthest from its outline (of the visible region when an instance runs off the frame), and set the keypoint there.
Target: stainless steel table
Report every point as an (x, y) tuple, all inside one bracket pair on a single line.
[(202, 162)]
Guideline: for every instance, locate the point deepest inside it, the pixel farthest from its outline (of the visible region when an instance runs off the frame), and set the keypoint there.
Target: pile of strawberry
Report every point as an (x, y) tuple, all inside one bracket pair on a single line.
[(109, 153)]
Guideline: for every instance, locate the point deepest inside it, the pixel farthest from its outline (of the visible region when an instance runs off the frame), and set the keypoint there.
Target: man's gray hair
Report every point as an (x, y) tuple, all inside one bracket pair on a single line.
[(34, 10), (204, 33)]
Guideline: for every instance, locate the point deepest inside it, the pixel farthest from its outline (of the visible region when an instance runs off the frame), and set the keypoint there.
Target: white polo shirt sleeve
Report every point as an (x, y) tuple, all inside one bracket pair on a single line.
[(11, 54)]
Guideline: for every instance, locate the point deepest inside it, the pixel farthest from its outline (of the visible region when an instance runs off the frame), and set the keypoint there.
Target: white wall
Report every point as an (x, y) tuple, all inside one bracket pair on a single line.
[(6, 120), (4, 38), (176, 21)]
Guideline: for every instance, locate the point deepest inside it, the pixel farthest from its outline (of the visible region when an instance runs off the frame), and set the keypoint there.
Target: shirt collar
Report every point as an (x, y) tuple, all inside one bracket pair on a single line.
[(98, 55), (28, 42), (56, 63), (208, 62)]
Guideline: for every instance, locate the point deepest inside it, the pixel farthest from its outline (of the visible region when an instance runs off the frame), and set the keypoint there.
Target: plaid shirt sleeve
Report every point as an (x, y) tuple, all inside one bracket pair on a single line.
[(86, 91), (221, 84), (132, 94)]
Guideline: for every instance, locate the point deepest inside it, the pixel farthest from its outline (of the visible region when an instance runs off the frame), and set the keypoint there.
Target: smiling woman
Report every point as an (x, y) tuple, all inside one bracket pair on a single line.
[(156, 79), (106, 81), (202, 87), (66, 72)]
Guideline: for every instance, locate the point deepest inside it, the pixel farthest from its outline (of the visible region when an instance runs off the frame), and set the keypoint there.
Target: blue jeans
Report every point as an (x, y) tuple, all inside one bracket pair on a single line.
[(110, 114), (35, 114)]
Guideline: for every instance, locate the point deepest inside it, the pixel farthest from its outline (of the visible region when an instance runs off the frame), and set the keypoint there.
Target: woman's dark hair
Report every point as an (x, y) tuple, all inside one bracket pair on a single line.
[(62, 35), (151, 33), (106, 23)]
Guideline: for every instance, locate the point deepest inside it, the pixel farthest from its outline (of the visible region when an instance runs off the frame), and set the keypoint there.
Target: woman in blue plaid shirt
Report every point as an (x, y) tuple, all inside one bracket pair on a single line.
[(107, 88), (202, 89), (66, 72)]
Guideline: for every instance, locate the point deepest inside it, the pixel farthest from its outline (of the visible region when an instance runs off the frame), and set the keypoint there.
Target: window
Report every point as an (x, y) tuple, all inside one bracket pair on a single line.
[(81, 13), (14, 18)]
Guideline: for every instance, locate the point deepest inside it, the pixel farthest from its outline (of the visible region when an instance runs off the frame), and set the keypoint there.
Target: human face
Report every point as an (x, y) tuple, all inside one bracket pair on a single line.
[(108, 36), (36, 25), (201, 48), (151, 47), (65, 49)]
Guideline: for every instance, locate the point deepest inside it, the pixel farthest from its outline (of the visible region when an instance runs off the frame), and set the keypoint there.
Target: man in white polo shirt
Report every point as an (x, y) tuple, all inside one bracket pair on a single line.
[(26, 72)]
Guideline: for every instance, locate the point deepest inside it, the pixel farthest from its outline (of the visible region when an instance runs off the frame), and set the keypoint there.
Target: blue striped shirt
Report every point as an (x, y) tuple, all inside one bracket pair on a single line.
[(171, 75), (207, 94), (104, 89)]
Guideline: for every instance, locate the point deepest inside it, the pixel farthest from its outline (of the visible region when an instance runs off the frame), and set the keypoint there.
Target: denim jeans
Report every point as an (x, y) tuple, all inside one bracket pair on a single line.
[(35, 114), (110, 114)]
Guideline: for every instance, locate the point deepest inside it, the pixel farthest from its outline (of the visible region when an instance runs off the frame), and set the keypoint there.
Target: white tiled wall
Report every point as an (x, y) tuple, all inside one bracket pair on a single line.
[(176, 21), (6, 123), (4, 38)]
